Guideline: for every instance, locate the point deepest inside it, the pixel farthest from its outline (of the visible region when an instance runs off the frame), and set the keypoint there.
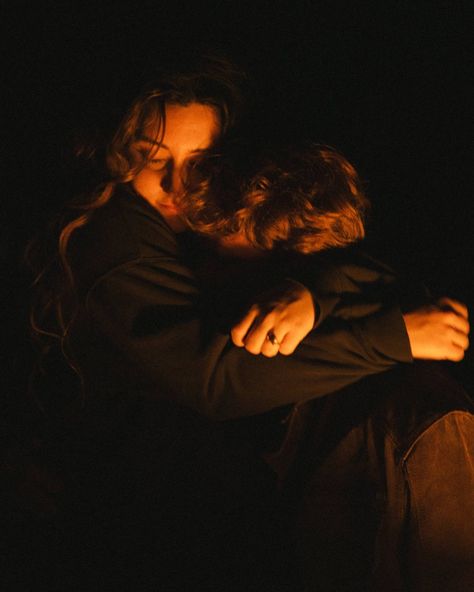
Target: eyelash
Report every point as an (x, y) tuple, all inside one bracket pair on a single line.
[(159, 161), (163, 163)]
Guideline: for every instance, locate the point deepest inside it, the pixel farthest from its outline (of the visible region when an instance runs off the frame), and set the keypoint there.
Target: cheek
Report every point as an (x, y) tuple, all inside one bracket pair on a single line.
[(148, 183)]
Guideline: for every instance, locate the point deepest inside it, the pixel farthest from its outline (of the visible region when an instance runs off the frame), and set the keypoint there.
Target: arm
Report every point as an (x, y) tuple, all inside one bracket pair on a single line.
[(362, 291), (147, 318), (341, 284)]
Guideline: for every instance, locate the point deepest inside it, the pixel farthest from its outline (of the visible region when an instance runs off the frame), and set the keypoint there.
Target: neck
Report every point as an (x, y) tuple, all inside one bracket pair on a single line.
[(236, 245)]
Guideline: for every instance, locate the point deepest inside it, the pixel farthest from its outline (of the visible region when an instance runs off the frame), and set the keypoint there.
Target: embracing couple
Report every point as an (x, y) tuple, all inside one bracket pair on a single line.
[(220, 315)]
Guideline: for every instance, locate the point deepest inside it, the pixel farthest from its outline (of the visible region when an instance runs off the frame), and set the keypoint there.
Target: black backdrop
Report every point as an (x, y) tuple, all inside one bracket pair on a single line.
[(387, 83)]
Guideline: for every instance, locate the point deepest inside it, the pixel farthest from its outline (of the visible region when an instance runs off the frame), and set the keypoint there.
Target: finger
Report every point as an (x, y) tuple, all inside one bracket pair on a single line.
[(457, 306), (453, 320), (291, 341), (459, 339), (454, 353), (271, 349), (240, 330), (257, 335)]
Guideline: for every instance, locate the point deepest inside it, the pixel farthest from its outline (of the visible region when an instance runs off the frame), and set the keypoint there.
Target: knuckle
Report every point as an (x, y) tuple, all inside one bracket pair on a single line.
[(253, 353), (236, 330), (442, 316), (451, 317), (445, 333), (252, 348), (270, 317), (235, 333), (455, 354), (450, 333), (445, 301)]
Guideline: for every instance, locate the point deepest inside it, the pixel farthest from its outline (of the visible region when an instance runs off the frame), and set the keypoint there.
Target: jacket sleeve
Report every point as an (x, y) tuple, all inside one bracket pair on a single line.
[(149, 313), (368, 294)]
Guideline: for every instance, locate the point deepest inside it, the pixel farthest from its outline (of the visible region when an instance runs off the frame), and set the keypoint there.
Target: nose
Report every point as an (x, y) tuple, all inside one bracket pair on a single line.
[(171, 181)]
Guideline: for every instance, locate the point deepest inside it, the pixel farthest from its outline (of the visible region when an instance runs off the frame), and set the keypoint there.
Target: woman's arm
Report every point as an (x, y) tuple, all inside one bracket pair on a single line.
[(352, 290), (147, 330)]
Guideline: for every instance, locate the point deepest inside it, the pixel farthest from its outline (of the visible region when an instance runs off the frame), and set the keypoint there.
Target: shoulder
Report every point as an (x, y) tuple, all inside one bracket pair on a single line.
[(124, 230), (355, 267), (343, 270)]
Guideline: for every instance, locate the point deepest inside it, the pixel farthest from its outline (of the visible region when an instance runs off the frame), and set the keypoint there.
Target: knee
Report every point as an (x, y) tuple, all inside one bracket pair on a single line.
[(423, 403)]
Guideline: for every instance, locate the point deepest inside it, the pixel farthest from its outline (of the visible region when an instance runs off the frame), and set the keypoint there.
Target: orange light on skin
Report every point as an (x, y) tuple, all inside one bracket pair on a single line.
[(189, 131), (237, 245)]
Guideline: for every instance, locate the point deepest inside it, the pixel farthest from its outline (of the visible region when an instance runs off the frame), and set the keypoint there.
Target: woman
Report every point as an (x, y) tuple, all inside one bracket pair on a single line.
[(143, 335)]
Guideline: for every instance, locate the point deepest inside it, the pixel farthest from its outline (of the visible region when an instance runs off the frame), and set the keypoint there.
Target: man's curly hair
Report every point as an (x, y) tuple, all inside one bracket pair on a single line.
[(303, 199)]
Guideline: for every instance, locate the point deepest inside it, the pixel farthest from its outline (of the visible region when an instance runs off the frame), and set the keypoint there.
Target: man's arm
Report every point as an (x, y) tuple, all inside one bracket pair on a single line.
[(342, 284), (354, 287)]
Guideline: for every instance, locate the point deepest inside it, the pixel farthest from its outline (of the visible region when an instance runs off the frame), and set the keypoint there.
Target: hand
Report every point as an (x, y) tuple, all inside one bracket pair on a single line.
[(278, 322), (439, 332)]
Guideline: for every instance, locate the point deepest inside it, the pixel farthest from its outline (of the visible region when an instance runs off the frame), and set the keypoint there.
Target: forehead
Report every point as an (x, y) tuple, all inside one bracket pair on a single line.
[(187, 127)]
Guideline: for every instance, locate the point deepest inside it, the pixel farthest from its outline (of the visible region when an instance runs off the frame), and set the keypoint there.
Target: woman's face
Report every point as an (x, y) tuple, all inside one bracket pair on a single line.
[(189, 131)]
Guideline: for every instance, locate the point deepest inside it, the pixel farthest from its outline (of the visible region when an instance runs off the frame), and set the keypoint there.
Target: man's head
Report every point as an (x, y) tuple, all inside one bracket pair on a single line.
[(305, 199)]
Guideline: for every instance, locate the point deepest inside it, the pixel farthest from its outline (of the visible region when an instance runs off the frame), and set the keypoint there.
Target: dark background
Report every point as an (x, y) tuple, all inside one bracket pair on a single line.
[(386, 83)]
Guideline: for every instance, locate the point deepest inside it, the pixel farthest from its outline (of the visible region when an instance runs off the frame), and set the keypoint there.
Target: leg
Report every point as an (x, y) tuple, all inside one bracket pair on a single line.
[(378, 462), (439, 472)]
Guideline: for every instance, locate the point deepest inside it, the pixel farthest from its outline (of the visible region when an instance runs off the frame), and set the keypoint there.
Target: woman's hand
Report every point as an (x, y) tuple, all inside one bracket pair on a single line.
[(439, 332), (278, 322)]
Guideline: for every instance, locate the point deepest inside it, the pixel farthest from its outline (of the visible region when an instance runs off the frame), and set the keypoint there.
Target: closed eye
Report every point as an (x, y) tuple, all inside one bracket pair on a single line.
[(158, 164)]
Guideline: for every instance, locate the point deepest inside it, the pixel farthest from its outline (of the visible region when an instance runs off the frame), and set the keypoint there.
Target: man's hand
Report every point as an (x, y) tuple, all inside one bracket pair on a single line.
[(278, 322), (439, 332)]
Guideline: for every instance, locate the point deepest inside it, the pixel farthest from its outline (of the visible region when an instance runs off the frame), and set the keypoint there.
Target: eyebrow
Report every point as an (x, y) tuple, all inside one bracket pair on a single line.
[(161, 145), (151, 141)]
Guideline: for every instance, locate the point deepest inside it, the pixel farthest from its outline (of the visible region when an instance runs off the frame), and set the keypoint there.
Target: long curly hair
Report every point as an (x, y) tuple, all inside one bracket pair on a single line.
[(214, 82)]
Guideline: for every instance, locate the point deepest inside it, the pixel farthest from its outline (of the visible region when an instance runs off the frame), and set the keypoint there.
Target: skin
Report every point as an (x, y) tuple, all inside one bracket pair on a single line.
[(288, 314), (189, 131), (435, 332), (439, 332)]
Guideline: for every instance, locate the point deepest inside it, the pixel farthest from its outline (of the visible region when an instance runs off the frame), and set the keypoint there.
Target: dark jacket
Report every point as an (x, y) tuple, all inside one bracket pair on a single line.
[(148, 327), (148, 475)]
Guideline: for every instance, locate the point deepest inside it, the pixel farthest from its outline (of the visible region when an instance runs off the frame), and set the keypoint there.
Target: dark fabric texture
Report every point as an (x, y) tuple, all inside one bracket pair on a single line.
[(146, 326), (382, 488), (154, 490), (378, 497)]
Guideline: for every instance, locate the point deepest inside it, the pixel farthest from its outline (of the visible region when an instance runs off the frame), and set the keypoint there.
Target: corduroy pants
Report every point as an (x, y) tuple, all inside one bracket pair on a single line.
[(380, 492)]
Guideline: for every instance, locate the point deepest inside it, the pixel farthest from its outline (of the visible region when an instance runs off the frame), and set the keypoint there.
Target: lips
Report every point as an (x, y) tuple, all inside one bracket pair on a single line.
[(170, 208)]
